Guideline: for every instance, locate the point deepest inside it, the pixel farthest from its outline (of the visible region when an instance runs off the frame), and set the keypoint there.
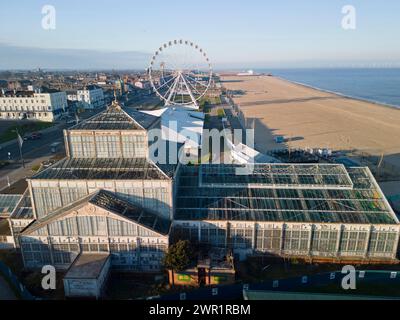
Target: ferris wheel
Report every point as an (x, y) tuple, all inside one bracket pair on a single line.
[(180, 73)]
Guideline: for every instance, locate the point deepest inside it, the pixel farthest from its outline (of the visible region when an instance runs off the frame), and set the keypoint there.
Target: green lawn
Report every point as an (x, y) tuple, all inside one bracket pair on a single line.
[(207, 100), (23, 129)]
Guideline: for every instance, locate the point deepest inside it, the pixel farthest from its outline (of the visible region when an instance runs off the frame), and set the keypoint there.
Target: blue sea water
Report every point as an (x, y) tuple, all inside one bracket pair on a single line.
[(376, 85)]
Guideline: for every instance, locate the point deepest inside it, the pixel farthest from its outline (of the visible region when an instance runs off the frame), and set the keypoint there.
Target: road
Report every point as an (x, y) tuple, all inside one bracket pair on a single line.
[(34, 151)]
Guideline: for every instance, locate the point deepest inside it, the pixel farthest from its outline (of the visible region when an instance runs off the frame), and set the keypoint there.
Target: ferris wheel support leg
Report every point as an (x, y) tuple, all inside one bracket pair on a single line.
[(190, 92), (168, 102)]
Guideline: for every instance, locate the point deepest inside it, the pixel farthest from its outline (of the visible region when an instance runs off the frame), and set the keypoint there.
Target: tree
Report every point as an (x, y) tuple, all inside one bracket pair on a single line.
[(178, 257)]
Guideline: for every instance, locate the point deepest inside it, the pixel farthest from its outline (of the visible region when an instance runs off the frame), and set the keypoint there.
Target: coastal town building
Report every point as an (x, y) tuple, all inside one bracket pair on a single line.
[(15, 215), (91, 97), (143, 84), (107, 196), (321, 211), (110, 198), (87, 276), (46, 105)]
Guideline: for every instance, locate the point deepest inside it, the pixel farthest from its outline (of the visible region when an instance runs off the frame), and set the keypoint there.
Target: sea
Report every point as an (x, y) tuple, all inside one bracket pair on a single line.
[(375, 85)]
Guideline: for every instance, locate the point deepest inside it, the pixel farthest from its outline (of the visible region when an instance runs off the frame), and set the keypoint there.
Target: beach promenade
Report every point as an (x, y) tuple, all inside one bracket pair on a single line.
[(315, 119)]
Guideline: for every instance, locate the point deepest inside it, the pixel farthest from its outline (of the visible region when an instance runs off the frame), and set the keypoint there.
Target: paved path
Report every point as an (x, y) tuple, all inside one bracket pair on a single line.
[(6, 292)]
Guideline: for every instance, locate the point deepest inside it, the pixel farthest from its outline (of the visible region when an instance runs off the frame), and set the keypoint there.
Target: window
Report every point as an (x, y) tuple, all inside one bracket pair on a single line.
[(134, 146), (71, 194), (241, 238), (324, 241), (296, 240), (213, 235), (353, 242), (382, 242), (188, 233), (36, 254), (133, 195), (92, 226), (269, 239), (108, 146), (46, 200), (156, 199)]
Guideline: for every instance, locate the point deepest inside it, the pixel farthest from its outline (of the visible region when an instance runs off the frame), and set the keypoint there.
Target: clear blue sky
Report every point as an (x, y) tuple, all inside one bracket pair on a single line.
[(234, 33)]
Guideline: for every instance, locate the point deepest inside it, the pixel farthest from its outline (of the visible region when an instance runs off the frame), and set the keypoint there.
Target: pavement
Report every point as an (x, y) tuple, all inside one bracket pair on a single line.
[(6, 293)]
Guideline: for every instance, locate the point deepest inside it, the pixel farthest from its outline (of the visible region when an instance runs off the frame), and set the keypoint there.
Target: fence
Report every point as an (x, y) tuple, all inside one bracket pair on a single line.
[(380, 166), (235, 292), (19, 288), (240, 115)]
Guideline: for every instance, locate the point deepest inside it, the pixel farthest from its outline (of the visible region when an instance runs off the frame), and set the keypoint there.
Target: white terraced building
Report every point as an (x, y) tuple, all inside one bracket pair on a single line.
[(41, 106), (91, 97)]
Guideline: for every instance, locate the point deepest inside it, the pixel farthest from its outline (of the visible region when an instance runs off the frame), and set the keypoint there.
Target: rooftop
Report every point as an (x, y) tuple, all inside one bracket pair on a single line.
[(24, 208), (26, 93), (364, 203), (287, 176), (104, 169), (116, 118), (112, 203), (92, 87), (8, 203)]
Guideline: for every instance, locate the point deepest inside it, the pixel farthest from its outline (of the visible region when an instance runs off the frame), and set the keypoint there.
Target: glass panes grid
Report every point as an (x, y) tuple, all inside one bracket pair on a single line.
[(277, 174), (364, 204), (293, 241)]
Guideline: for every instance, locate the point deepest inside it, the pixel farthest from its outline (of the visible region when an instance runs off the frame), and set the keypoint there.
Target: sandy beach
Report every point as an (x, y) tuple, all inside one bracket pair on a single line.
[(315, 119)]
